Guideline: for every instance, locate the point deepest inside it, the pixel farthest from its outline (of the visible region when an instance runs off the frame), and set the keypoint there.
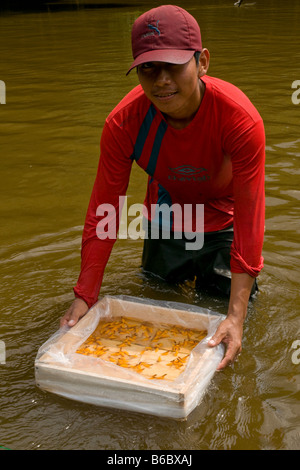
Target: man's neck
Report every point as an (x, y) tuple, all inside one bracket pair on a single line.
[(181, 123)]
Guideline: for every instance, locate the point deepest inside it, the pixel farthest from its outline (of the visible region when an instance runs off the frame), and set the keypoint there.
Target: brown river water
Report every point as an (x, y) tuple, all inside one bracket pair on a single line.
[(64, 70)]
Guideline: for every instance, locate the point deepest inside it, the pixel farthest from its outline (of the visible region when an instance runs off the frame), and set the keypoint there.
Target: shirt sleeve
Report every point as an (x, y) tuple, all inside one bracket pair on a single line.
[(247, 152), (102, 218)]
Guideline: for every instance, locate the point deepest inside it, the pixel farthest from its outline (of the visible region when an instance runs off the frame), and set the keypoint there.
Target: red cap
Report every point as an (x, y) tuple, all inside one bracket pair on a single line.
[(165, 34)]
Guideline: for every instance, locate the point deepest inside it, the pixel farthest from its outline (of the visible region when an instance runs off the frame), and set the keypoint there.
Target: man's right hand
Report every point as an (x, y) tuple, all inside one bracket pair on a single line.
[(77, 310)]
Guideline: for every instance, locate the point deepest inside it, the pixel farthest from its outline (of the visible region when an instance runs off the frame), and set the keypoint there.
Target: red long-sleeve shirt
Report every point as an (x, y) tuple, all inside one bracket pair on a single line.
[(217, 160)]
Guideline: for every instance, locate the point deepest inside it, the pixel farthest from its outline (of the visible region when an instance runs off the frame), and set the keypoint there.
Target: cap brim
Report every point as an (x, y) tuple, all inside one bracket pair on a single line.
[(164, 55)]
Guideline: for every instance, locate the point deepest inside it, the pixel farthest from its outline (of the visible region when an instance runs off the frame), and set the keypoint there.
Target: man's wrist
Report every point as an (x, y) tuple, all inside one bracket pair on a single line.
[(241, 285)]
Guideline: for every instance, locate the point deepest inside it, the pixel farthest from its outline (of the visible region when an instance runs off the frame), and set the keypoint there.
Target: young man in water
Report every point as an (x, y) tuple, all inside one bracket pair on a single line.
[(201, 141)]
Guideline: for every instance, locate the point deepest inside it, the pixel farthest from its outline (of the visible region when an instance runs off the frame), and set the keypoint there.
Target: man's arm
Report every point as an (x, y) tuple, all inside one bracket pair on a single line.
[(111, 182), (247, 149), (230, 331)]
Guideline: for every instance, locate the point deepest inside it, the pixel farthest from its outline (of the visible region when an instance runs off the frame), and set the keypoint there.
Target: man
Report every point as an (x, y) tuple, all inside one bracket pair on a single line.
[(201, 141)]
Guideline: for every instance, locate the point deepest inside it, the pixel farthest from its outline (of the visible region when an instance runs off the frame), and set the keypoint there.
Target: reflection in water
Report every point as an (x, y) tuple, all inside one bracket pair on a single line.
[(64, 72)]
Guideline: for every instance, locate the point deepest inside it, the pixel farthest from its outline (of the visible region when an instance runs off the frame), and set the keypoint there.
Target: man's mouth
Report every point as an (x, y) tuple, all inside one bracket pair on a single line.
[(165, 96)]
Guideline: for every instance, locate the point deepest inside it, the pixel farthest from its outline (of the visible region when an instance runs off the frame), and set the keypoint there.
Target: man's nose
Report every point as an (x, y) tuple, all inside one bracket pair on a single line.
[(163, 76)]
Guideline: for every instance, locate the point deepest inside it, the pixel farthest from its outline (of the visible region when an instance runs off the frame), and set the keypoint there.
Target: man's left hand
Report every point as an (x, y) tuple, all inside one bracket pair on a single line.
[(229, 332)]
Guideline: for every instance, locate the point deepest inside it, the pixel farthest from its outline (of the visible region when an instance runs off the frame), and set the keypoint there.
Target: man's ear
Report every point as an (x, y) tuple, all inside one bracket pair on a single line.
[(203, 62)]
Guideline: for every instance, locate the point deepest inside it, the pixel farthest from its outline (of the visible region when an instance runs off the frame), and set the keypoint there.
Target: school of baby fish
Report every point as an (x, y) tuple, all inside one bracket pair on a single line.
[(156, 351)]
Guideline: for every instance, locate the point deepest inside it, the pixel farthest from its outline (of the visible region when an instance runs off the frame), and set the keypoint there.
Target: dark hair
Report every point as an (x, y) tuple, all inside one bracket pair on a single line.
[(197, 57)]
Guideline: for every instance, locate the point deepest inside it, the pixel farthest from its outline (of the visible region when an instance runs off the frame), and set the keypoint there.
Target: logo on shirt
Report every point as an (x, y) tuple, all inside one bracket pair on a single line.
[(188, 173)]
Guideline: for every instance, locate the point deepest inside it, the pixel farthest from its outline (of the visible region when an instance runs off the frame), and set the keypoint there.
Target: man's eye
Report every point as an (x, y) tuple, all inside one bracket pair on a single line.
[(147, 66)]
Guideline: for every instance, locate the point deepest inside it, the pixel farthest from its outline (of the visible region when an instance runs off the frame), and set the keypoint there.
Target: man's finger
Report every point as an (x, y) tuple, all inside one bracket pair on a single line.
[(229, 358), (216, 339), (64, 320), (75, 315), (226, 361)]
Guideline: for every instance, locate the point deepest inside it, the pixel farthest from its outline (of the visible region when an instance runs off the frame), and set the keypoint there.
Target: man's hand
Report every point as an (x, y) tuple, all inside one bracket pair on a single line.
[(230, 333), (77, 310)]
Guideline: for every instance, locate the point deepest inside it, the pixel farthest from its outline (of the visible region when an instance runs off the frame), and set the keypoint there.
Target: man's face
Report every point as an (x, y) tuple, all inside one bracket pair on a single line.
[(173, 89)]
